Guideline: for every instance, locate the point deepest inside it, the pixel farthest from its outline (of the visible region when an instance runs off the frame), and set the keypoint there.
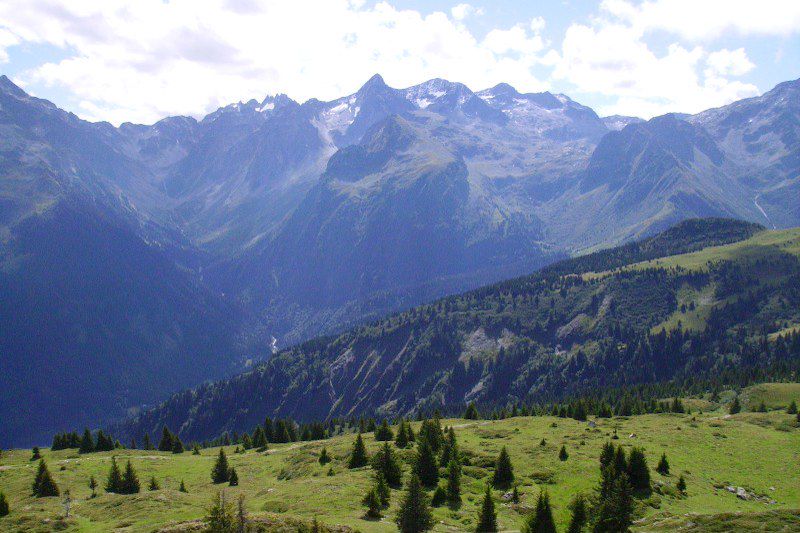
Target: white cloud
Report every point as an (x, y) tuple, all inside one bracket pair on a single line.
[(462, 11), (140, 60), (708, 19), (729, 62)]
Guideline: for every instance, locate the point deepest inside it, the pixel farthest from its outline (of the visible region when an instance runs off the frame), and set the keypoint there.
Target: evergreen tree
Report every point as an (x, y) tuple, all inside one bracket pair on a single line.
[(93, 486), (620, 460), (4, 509), (382, 489), (425, 466), (43, 484), (383, 432), (439, 497), (562, 454), (324, 458), (453, 482), (177, 445), (615, 509), (541, 519), (36, 454), (166, 443), (401, 441), (663, 465), (762, 407), (503, 471), (233, 478), (146, 443), (579, 514), (487, 517), (450, 447), (386, 463), (182, 488), (373, 503), (220, 515), (358, 457), (414, 515), (681, 486), (153, 484), (87, 442), (735, 406), (472, 412), (130, 481), (259, 438), (221, 471), (638, 472)]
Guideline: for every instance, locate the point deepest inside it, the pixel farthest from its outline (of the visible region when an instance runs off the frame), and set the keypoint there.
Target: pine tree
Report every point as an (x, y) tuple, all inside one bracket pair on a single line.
[(425, 466), (182, 488), (233, 478), (36, 454), (453, 482), (450, 447), (487, 517), (386, 463), (166, 443), (220, 515), (681, 486), (663, 465), (4, 509), (147, 444), (43, 484), (579, 514), (562, 454), (373, 503), (401, 441), (177, 445), (324, 458), (541, 519), (93, 486), (638, 472), (383, 432), (358, 457), (503, 471), (439, 497), (472, 412), (615, 509), (130, 481), (87, 442), (620, 460), (735, 406), (153, 484), (382, 489), (221, 472), (414, 515)]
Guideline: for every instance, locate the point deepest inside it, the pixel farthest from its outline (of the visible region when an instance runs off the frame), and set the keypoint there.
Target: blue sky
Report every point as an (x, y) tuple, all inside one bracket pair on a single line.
[(141, 60)]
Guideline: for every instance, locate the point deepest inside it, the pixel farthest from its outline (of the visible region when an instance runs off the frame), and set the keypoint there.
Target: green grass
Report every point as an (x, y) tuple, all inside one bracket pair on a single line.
[(711, 450), (774, 395)]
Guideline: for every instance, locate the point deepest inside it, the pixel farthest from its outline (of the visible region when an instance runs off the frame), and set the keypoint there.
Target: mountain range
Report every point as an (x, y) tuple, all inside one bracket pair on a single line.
[(140, 259)]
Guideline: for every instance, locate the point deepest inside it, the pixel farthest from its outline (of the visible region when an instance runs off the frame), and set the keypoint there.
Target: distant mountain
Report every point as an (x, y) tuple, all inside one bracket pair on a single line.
[(617, 122), (288, 219), (575, 327)]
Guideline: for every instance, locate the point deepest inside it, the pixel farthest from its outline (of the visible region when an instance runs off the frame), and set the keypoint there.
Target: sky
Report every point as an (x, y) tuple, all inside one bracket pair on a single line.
[(142, 60)]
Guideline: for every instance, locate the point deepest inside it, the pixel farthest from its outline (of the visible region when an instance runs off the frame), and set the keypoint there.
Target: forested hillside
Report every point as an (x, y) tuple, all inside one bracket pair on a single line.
[(718, 312)]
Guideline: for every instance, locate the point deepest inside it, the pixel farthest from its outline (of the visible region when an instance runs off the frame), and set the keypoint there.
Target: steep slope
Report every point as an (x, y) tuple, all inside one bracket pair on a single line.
[(556, 333)]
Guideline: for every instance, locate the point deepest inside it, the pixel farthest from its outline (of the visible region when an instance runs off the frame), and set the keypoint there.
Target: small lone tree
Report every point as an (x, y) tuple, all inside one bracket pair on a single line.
[(439, 497), (792, 409), (453, 482), (562, 454), (4, 509), (36, 454), (579, 514), (515, 495), (358, 457), (487, 517), (735, 406), (663, 465), (503, 471), (43, 484), (541, 519), (93, 486), (681, 486), (414, 515), (233, 478), (153, 484), (221, 471), (382, 488), (130, 481), (324, 458), (182, 488), (177, 445), (472, 412), (220, 515), (402, 441), (373, 503), (425, 466)]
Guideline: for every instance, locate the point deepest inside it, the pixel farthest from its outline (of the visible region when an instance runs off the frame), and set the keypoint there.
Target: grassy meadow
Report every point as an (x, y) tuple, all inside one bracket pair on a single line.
[(712, 450)]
